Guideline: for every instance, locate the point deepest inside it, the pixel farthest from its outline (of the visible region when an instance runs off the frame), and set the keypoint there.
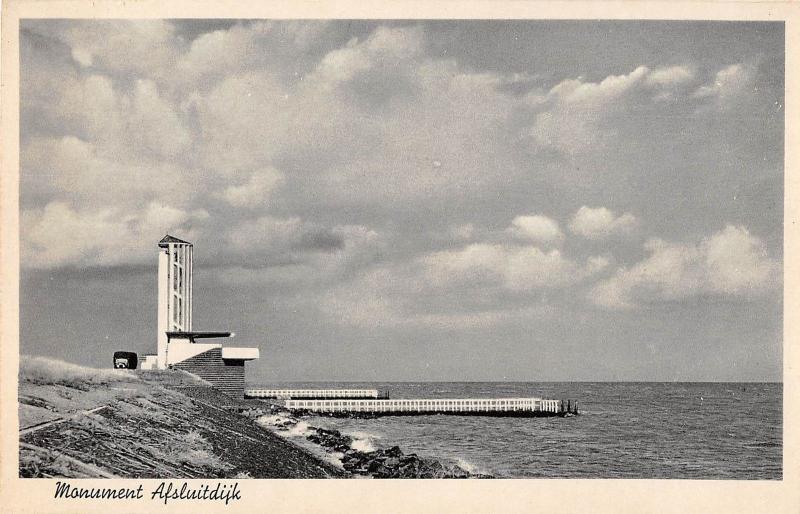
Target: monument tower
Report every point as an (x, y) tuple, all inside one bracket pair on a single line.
[(174, 290), (176, 341)]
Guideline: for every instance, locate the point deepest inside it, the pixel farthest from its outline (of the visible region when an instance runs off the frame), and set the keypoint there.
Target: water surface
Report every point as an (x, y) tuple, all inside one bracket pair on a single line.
[(625, 430)]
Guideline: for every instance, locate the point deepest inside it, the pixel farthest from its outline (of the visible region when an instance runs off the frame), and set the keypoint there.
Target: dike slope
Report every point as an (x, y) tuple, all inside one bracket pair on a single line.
[(82, 422)]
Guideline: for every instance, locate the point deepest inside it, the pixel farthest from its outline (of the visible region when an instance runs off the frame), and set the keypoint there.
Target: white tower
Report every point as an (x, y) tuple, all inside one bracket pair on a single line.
[(174, 291)]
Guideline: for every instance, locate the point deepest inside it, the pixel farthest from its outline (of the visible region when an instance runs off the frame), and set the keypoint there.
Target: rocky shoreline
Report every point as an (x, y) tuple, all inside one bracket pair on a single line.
[(88, 423), (380, 463)]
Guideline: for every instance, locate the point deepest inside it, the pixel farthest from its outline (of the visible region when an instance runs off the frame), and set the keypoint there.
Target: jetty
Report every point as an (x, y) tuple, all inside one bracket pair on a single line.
[(314, 394), (503, 407)]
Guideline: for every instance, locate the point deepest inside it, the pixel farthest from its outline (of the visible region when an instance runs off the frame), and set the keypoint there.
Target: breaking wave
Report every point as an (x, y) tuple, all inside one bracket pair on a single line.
[(363, 441), (470, 467), (284, 426)]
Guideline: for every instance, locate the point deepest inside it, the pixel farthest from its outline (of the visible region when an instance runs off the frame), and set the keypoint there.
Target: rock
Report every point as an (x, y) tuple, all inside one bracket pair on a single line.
[(394, 451), (383, 463), (459, 472)]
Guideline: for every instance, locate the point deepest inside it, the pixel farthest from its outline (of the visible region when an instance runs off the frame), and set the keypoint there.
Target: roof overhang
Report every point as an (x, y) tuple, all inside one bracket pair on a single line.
[(197, 335), (245, 354), (166, 240)]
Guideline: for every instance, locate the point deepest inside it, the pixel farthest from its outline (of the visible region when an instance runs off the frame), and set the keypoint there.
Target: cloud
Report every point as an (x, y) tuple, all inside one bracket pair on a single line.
[(401, 295), (82, 57), (256, 190), (671, 76), (463, 232), (729, 86), (571, 115), (260, 44), (327, 151), (142, 47), (152, 123), (577, 117), (514, 268), (269, 235), (540, 229), (69, 168), (730, 263), (139, 123), (480, 284), (274, 239), (297, 253), (60, 235), (737, 263), (600, 223), (384, 50)]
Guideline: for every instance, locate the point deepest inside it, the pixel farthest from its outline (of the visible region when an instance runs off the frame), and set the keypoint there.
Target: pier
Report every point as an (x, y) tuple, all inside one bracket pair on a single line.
[(312, 394), (510, 407)]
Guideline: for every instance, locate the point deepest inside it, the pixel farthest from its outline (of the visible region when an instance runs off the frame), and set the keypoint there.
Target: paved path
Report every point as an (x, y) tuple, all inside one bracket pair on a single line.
[(40, 426)]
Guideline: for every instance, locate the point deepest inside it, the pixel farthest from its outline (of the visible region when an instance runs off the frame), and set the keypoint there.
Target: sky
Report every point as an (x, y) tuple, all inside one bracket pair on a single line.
[(411, 200)]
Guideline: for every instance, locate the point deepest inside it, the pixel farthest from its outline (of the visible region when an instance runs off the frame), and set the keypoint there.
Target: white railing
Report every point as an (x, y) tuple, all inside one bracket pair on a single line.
[(311, 393), (429, 405)]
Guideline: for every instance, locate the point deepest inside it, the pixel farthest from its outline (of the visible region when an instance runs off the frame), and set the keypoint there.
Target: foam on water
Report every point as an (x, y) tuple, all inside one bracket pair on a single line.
[(468, 466), (301, 429), (362, 441), (270, 420), (274, 422), (334, 458)]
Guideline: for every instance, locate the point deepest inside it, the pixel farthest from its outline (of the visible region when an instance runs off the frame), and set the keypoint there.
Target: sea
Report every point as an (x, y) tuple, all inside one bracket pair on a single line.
[(652, 430)]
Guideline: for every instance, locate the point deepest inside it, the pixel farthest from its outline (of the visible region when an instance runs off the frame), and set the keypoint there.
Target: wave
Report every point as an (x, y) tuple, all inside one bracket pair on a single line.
[(287, 427), (363, 441), (764, 445), (469, 467)]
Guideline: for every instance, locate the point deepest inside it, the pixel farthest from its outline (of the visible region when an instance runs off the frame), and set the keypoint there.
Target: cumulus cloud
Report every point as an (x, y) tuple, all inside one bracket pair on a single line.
[(571, 114), (576, 116), (600, 223), (480, 284), (269, 235), (540, 229), (671, 76), (515, 268), (256, 190), (385, 174), (308, 140), (385, 297), (71, 168), (730, 263), (403, 295), (269, 240), (298, 255), (137, 123), (60, 235), (728, 86), (386, 48), (463, 232), (141, 47)]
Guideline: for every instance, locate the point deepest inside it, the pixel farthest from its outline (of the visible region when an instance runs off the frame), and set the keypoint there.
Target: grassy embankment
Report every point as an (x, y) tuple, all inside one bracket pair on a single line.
[(143, 424)]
